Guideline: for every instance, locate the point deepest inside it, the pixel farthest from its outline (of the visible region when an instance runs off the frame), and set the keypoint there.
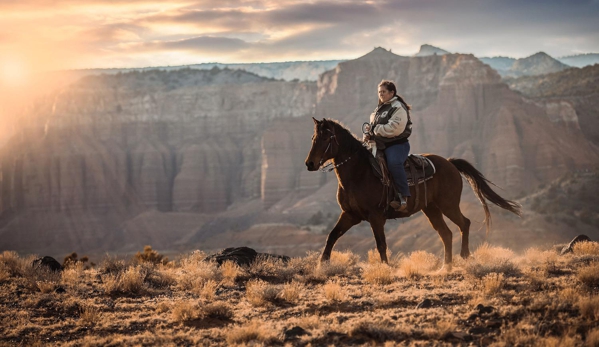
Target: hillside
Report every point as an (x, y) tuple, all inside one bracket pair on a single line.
[(575, 89), (494, 298)]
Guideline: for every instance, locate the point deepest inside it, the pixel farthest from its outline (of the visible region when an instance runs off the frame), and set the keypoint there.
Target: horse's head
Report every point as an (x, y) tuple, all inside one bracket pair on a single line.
[(324, 144)]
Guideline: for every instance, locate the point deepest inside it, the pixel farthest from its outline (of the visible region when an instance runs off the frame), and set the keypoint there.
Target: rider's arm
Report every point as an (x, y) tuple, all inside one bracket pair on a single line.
[(396, 125)]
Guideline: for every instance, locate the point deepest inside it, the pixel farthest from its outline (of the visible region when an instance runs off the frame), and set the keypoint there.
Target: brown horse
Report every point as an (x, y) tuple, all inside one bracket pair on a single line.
[(359, 192)]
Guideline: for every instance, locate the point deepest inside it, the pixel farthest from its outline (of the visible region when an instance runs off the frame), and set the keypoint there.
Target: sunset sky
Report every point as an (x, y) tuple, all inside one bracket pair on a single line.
[(67, 34)]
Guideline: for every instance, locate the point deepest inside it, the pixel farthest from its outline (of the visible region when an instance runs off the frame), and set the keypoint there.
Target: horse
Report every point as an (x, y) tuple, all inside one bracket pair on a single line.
[(359, 191)]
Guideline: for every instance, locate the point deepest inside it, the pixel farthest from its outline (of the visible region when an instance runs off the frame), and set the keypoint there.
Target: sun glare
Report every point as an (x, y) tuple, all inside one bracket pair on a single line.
[(13, 73)]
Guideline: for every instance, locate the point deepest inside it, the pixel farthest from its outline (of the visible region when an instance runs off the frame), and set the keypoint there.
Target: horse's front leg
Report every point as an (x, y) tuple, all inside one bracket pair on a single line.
[(378, 229), (344, 223)]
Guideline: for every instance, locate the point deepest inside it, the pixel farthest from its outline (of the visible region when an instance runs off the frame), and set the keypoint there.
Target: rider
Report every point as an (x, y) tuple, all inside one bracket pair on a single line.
[(390, 127)]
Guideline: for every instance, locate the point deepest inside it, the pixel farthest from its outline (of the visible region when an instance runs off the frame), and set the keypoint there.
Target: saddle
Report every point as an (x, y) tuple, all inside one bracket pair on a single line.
[(419, 169)]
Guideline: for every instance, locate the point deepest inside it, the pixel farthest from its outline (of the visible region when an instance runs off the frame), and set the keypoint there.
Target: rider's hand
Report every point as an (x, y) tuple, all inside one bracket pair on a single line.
[(365, 137)]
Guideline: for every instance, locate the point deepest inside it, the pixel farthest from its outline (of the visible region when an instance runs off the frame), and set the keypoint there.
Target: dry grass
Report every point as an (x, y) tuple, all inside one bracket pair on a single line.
[(589, 307), (589, 275), (292, 292), (586, 248), (229, 272), (254, 330), (492, 283), (260, 293), (418, 263), (378, 273), (487, 259), (593, 338), (548, 302), (333, 291), (90, 315)]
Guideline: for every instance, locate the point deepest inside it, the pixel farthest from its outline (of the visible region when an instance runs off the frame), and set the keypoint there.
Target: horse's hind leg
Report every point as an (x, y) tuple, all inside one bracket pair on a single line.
[(435, 217), (344, 222), (455, 215)]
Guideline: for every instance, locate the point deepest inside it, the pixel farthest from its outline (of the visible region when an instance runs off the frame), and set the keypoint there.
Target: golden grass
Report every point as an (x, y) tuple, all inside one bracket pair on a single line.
[(292, 292), (147, 304), (333, 291), (378, 273), (260, 293), (589, 307), (488, 259), (185, 311), (589, 275), (229, 272), (254, 330), (492, 283), (418, 263), (592, 339), (586, 248), (89, 315)]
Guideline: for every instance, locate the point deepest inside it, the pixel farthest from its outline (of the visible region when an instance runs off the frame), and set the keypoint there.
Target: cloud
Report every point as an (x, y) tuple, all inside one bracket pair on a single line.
[(104, 32)]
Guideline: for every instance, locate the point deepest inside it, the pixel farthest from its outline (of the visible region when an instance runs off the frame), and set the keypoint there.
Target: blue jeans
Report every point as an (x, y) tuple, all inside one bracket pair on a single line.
[(396, 156)]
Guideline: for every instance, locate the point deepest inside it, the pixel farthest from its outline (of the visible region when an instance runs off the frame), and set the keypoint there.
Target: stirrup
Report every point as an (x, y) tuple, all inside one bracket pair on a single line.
[(400, 205)]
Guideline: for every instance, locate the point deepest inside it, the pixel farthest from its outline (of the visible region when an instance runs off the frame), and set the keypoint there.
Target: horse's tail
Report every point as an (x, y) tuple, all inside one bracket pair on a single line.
[(480, 185)]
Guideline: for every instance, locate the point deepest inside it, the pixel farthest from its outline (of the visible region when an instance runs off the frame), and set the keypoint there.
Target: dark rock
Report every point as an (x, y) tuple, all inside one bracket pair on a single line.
[(426, 303), (294, 332), (478, 331), (482, 309), (47, 262), (472, 317), (577, 239), (493, 324), (241, 256), (59, 290)]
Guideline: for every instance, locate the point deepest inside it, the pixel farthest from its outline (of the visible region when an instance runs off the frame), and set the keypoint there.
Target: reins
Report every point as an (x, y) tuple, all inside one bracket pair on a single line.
[(328, 168)]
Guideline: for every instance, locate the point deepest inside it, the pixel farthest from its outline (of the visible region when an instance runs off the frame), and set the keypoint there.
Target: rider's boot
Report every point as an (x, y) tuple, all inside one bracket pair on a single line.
[(399, 203)]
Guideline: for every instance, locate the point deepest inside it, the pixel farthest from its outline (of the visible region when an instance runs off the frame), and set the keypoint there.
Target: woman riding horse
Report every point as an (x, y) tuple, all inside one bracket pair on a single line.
[(359, 191), (390, 126)]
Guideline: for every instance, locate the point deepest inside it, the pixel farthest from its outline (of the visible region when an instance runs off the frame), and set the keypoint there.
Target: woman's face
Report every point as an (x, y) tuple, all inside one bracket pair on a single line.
[(384, 94)]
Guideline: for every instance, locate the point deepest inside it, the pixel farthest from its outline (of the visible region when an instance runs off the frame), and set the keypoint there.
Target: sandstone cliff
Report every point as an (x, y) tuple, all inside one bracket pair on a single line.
[(462, 109)]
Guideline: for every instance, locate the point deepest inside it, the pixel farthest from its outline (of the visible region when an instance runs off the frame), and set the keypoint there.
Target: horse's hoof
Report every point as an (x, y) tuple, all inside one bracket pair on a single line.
[(465, 255)]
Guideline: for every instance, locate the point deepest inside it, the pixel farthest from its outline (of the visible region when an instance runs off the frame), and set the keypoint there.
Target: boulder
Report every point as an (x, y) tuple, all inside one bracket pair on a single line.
[(242, 256)]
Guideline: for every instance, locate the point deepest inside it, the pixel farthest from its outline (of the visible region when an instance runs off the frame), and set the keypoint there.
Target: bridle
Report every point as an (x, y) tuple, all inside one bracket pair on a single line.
[(330, 167)]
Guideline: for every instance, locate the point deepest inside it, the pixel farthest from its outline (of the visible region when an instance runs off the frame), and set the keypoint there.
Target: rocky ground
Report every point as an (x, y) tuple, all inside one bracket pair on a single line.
[(496, 297)]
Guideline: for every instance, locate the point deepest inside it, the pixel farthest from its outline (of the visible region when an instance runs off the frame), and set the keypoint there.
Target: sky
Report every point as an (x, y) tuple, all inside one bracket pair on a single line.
[(73, 34)]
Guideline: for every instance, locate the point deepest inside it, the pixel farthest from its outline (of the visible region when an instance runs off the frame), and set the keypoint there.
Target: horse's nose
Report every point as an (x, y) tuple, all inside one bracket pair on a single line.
[(310, 165)]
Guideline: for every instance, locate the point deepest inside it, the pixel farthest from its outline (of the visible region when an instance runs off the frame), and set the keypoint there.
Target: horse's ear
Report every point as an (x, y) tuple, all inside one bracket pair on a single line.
[(315, 121)]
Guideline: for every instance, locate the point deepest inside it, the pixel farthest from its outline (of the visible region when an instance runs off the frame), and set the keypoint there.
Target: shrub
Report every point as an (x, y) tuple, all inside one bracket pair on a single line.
[(589, 307), (112, 265), (151, 256), (229, 271), (260, 293), (492, 283), (378, 273), (185, 311), (218, 310), (252, 331), (333, 291), (487, 259), (207, 290), (339, 264), (131, 281), (586, 248), (292, 292), (589, 275), (89, 315), (592, 339), (11, 263), (418, 263)]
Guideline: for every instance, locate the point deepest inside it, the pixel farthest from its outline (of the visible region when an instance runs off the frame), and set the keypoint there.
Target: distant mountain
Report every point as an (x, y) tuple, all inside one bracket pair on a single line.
[(426, 50), (536, 64), (499, 64), (288, 71), (580, 60)]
